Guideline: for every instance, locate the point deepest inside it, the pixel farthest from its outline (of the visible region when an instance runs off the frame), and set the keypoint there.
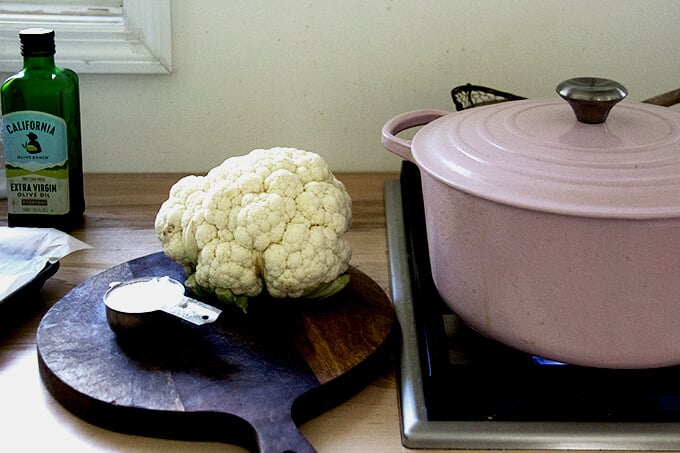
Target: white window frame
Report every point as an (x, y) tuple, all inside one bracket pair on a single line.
[(136, 40)]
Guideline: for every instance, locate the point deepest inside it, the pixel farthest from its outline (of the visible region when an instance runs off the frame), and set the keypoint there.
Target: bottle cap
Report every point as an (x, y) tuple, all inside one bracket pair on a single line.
[(37, 42)]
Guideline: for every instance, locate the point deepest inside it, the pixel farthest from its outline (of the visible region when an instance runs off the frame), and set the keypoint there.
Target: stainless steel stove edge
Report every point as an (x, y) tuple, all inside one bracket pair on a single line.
[(420, 433)]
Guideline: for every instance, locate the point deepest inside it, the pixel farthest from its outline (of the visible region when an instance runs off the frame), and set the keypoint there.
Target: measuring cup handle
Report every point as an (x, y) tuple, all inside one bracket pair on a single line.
[(400, 123), (194, 311)]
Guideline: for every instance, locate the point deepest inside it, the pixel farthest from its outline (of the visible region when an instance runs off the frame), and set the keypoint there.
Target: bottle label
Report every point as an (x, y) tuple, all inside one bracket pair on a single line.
[(36, 160)]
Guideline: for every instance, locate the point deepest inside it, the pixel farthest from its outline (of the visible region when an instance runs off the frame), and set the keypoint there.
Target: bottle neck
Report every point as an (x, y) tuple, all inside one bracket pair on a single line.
[(38, 62)]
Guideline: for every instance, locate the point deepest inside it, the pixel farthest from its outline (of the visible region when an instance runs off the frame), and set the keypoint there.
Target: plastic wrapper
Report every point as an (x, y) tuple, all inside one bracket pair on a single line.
[(24, 253)]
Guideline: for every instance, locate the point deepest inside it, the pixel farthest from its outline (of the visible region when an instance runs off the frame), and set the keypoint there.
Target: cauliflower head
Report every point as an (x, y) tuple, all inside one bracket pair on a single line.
[(273, 219)]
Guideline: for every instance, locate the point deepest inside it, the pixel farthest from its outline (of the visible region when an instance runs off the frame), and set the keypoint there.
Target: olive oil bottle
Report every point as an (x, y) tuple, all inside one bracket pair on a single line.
[(41, 132)]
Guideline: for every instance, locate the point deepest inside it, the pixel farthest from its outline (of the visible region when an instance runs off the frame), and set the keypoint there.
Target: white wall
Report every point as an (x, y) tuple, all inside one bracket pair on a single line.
[(325, 75)]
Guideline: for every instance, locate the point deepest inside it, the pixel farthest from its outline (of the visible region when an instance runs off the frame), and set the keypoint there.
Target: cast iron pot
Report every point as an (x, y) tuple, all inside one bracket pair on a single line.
[(554, 233)]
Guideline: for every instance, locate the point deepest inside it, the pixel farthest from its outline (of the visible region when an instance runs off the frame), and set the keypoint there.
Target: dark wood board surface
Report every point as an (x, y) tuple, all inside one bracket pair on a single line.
[(246, 379)]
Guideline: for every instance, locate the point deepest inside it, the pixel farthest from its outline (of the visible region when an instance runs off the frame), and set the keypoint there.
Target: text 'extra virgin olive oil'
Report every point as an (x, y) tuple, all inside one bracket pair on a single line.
[(41, 131)]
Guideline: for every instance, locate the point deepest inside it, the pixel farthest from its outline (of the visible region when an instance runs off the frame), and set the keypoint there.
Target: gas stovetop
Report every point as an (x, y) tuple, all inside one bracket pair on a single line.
[(461, 390)]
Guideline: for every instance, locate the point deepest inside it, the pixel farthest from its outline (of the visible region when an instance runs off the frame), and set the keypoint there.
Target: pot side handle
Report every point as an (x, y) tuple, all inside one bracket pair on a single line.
[(402, 122)]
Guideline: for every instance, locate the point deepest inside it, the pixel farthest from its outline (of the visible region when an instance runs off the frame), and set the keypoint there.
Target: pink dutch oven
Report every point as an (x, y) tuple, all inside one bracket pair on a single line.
[(552, 230)]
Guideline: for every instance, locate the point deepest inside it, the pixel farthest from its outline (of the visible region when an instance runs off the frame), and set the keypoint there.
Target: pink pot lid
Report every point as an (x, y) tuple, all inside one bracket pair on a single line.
[(535, 154)]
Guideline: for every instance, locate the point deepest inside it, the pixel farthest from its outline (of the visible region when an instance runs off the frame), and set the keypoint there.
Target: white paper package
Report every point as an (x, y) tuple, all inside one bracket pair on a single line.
[(24, 252)]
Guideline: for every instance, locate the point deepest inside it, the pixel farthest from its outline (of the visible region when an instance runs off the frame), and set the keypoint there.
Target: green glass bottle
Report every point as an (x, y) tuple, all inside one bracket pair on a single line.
[(41, 131)]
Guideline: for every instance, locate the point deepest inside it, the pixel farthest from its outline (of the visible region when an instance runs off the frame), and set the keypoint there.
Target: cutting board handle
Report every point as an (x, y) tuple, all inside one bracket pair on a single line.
[(282, 436)]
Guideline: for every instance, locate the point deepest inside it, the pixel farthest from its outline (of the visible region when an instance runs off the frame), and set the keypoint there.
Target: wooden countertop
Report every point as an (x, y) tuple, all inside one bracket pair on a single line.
[(119, 226)]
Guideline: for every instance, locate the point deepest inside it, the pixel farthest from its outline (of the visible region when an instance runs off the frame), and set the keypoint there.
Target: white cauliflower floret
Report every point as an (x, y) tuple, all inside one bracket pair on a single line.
[(185, 202), (303, 260), (273, 218)]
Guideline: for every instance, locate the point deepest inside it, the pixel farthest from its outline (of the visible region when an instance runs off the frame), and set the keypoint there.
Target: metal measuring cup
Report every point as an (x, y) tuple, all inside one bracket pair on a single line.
[(141, 305)]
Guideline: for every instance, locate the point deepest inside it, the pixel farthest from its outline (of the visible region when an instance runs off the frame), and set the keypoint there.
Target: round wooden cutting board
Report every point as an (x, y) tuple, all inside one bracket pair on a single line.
[(246, 379)]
